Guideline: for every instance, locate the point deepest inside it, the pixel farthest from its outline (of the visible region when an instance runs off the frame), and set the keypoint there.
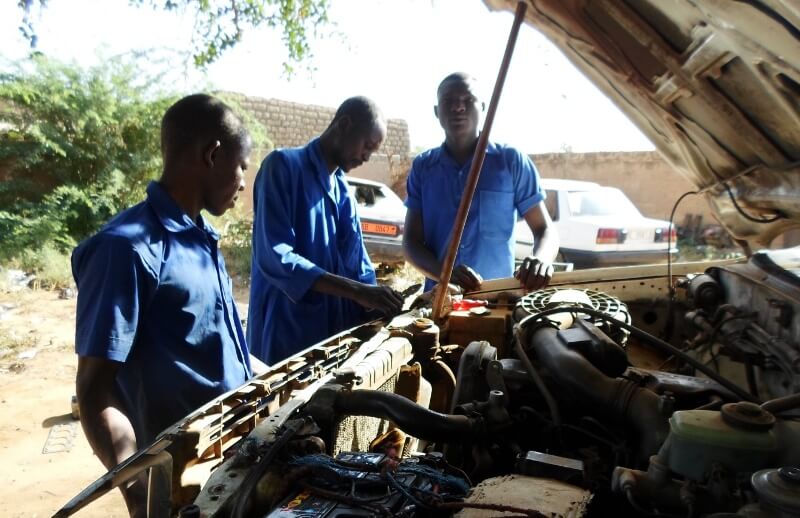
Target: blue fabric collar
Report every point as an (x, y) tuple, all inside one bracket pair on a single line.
[(172, 218), (325, 178), (441, 153), (315, 151)]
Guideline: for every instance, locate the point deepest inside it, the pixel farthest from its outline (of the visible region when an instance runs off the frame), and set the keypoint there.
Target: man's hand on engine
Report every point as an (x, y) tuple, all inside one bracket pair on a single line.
[(466, 277), (534, 273), (380, 298)]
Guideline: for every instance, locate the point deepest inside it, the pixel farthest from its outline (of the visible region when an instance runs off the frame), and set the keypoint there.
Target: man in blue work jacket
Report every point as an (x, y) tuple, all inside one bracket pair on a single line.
[(157, 332), (508, 187), (311, 275)]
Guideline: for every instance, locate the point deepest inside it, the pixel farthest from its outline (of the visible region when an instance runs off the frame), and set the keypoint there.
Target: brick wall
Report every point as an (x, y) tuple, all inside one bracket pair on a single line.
[(290, 124)]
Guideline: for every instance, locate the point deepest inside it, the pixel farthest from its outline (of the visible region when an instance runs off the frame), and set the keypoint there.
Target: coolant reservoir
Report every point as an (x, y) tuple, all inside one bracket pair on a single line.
[(739, 438)]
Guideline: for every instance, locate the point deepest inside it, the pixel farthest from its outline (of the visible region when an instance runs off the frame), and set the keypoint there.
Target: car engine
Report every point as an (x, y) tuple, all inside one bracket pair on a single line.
[(532, 406), (607, 394)]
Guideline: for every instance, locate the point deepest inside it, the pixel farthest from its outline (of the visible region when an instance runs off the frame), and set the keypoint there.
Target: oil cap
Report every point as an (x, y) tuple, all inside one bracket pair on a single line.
[(790, 475), (747, 416)]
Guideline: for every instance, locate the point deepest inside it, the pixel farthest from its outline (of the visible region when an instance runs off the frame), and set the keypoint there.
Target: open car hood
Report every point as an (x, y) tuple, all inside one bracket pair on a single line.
[(714, 84)]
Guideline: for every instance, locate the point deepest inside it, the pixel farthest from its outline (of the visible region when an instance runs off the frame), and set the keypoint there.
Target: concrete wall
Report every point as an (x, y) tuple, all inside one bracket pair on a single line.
[(647, 179)]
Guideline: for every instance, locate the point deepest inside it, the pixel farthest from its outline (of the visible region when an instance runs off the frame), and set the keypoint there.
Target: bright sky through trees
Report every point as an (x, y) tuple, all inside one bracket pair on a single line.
[(395, 51)]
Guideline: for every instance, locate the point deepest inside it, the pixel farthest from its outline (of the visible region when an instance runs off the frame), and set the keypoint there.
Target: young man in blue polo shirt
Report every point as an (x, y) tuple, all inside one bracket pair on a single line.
[(508, 187), (311, 274), (157, 331)]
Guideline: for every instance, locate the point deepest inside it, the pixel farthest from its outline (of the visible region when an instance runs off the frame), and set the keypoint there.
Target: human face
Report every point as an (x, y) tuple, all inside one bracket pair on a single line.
[(226, 177), (358, 144), (458, 109)]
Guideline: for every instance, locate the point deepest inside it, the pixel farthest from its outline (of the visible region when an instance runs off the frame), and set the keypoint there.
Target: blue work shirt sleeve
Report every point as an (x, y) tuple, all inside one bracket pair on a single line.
[(114, 285), (414, 189), (274, 235), (527, 189)]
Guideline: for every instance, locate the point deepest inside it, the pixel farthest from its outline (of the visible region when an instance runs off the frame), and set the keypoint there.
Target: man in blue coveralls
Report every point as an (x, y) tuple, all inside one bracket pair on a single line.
[(311, 274), (157, 331), (508, 187)]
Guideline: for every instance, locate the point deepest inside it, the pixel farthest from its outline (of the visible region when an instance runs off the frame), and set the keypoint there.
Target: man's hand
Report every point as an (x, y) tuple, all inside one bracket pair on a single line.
[(466, 277), (380, 298), (534, 273)]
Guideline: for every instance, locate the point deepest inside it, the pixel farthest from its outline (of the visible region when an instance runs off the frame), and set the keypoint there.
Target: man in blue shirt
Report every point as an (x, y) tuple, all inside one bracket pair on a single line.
[(311, 275), (157, 331), (508, 187)]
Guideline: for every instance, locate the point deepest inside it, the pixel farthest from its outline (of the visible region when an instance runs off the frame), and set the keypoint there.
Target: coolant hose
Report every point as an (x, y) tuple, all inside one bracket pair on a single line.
[(619, 397), (652, 340), (782, 404), (552, 404), (410, 417)]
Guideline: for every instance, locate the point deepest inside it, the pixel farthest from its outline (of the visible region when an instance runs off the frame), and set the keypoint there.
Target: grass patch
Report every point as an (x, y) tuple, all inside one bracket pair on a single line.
[(11, 342), (51, 267)]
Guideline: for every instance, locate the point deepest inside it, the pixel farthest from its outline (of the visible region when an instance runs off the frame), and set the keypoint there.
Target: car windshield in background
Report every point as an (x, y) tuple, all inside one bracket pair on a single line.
[(370, 195), (601, 202)]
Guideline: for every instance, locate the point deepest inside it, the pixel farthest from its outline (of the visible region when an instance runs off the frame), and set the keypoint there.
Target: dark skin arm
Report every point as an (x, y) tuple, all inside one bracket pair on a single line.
[(380, 298), (424, 260), (107, 428), (537, 269)]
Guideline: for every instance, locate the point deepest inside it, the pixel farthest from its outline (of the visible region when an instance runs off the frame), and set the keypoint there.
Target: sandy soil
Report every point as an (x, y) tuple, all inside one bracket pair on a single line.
[(35, 396)]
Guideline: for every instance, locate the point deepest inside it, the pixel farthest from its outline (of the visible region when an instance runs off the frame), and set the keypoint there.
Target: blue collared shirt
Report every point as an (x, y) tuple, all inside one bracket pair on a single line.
[(153, 293), (305, 224), (508, 187)]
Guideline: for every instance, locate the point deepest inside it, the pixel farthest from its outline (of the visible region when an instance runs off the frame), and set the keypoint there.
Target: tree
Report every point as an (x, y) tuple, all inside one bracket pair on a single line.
[(222, 23), (76, 146), (79, 145)]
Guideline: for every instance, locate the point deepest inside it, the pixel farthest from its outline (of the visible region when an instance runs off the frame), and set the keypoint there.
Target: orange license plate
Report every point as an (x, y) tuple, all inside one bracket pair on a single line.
[(378, 228)]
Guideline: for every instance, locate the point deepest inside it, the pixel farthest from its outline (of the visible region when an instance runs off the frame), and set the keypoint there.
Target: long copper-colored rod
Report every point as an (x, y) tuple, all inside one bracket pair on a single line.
[(477, 164)]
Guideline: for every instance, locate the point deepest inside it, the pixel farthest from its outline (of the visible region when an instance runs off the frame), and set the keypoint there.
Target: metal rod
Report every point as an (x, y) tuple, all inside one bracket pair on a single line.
[(475, 169)]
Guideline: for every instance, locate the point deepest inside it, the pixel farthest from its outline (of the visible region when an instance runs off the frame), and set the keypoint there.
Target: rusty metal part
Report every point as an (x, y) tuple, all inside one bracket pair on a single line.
[(443, 384), (523, 496), (477, 163), (747, 416)]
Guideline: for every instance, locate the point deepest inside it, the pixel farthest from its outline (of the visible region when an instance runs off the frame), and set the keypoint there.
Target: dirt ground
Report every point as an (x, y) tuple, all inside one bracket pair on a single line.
[(35, 395)]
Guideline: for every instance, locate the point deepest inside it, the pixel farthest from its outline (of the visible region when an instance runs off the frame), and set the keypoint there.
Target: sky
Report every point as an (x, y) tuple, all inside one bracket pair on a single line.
[(394, 51)]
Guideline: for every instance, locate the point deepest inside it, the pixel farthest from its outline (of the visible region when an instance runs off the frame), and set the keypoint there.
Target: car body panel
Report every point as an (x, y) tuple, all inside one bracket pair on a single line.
[(714, 84), (578, 233)]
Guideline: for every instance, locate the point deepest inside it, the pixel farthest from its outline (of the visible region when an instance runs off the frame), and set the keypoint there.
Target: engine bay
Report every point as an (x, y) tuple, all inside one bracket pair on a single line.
[(602, 395)]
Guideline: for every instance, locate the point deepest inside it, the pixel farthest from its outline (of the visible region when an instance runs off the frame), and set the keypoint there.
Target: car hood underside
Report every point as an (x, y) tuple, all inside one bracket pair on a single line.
[(714, 84)]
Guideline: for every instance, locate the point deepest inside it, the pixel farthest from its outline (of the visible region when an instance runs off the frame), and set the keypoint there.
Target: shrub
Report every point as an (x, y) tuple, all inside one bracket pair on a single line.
[(78, 146), (51, 267)]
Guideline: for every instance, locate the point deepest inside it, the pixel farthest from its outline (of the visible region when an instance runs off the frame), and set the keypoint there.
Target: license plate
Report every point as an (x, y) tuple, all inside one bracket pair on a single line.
[(378, 228), (640, 235)]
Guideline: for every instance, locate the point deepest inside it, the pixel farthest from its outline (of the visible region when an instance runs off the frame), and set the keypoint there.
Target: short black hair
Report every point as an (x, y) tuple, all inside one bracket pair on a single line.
[(200, 117), (461, 77), (363, 112)]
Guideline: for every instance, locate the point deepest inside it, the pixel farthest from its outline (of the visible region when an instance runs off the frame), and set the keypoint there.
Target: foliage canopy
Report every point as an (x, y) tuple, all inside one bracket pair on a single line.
[(220, 24), (76, 146)]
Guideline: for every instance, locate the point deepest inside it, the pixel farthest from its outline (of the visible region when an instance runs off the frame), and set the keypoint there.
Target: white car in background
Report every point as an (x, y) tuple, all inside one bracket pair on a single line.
[(383, 215), (598, 226)]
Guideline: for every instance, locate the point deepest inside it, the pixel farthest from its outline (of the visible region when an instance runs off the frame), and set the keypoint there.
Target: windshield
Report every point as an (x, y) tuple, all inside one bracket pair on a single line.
[(607, 201)]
